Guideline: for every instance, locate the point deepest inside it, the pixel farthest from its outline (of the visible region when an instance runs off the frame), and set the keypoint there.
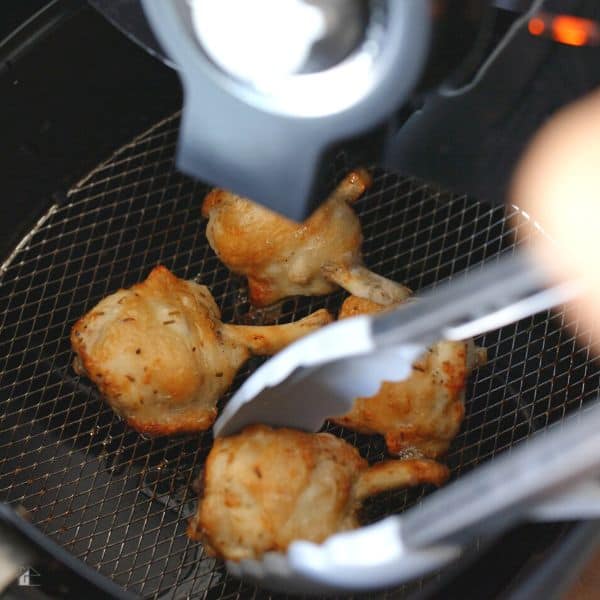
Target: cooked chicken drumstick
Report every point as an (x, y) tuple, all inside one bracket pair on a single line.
[(265, 488), (425, 411), (161, 356), (281, 258)]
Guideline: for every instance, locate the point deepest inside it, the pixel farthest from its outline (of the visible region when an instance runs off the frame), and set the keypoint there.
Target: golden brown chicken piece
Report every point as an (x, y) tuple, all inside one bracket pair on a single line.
[(161, 357), (265, 488), (281, 258), (425, 411)]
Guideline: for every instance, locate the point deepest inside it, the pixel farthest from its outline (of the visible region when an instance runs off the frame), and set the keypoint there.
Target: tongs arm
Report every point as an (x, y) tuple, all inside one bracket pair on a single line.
[(502, 292), (514, 487), (529, 482)]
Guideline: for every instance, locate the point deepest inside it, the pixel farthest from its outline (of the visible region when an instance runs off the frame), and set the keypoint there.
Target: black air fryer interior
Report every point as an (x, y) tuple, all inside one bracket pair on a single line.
[(92, 202)]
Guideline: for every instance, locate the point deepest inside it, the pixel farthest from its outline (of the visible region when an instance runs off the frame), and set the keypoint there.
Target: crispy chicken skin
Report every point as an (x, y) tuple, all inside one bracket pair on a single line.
[(161, 357), (425, 412), (265, 488), (281, 258)]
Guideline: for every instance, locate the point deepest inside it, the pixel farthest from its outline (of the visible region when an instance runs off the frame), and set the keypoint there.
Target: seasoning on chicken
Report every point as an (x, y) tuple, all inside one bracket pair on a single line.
[(425, 411), (161, 357), (281, 258), (265, 488)]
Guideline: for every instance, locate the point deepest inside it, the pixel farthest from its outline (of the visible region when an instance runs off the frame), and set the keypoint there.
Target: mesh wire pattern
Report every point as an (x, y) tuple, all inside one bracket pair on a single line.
[(120, 501)]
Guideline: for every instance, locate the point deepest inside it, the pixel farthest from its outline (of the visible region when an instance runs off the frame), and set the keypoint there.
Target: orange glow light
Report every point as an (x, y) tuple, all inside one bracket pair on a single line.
[(537, 26), (572, 31), (565, 29)]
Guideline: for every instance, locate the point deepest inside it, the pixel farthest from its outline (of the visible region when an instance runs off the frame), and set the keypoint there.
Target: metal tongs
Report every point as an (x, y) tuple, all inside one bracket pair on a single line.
[(545, 478), (320, 375)]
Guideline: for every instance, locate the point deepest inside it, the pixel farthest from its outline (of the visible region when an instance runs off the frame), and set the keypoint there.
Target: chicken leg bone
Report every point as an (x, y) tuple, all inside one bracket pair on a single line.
[(161, 356), (281, 258), (265, 488)]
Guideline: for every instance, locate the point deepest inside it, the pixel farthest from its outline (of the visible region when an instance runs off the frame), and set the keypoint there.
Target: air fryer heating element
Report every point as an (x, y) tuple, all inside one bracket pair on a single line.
[(119, 501)]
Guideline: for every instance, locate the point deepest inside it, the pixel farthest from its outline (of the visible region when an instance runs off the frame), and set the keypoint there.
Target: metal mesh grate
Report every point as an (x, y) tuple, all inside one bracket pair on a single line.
[(120, 501)]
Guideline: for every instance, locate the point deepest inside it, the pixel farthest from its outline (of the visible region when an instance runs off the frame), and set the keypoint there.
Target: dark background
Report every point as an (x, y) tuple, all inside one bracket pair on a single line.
[(15, 12), (71, 93)]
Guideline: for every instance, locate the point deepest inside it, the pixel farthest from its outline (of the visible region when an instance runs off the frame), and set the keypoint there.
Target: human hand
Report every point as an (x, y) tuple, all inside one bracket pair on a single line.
[(558, 184)]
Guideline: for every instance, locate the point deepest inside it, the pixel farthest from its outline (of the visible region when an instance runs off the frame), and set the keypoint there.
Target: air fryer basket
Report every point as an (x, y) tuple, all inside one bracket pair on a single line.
[(120, 501)]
